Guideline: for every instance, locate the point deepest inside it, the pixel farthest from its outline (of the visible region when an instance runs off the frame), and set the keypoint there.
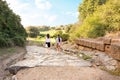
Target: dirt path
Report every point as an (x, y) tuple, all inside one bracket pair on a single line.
[(52, 66), (64, 73)]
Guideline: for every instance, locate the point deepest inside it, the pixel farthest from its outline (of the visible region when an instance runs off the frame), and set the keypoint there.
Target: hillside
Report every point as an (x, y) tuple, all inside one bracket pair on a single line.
[(12, 32)]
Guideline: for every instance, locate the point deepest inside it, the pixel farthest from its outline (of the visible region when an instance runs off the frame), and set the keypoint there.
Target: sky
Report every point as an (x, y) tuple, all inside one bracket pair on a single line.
[(46, 12)]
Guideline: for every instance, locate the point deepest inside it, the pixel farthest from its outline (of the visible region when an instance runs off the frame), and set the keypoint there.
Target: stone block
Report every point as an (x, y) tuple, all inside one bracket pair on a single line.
[(107, 41), (80, 42), (115, 51), (117, 40), (100, 46), (93, 44), (83, 42), (89, 44), (97, 45), (77, 41), (107, 49)]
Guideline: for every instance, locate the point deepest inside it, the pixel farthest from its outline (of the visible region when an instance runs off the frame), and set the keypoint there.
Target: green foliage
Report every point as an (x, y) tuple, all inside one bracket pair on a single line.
[(51, 32), (65, 37), (10, 26), (60, 32), (38, 37), (92, 27), (58, 28), (5, 42), (68, 28), (86, 57), (19, 41), (97, 18), (42, 35), (88, 7), (43, 28), (32, 31), (111, 15)]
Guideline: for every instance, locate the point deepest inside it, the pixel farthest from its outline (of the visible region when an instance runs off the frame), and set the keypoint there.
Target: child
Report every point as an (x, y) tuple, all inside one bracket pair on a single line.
[(47, 42), (58, 43)]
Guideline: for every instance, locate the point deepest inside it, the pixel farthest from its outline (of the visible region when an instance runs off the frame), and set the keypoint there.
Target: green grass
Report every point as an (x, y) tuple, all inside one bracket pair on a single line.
[(51, 32), (4, 51), (84, 56), (113, 72), (41, 41)]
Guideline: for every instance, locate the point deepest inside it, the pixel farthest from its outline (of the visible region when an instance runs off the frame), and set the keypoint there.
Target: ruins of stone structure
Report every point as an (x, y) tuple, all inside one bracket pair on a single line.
[(111, 46), (108, 45)]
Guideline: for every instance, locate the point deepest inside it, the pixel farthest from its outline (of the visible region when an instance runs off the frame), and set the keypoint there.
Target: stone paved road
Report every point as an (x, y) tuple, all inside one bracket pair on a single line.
[(39, 56), (53, 66)]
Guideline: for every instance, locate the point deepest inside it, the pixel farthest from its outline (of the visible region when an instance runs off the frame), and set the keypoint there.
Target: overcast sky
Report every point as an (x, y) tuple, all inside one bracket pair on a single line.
[(46, 12)]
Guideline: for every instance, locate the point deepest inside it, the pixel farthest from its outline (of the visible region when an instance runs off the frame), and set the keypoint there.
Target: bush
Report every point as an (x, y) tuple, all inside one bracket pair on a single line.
[(42, 35), (58, 32), (65, 37), (38, 37), (19, 41), (97, 17), (10, 26), (92, 27), (32, 31), (5, 42)]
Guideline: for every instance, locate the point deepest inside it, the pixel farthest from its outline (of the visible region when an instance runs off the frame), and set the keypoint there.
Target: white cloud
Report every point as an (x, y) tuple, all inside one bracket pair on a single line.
[(37, 12), (30, 14), (17, 6), (38, 19), (43, 4)]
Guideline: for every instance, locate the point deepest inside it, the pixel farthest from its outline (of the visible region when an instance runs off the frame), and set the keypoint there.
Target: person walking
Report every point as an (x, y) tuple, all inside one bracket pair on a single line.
[(47, 42), (58, 43)]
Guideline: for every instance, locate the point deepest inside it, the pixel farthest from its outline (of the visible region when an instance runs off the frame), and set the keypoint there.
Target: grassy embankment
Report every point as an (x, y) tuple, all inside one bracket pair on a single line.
[(11, 51)]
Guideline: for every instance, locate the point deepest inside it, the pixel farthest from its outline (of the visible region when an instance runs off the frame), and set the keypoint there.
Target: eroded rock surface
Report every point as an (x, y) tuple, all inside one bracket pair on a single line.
[(39, 56)]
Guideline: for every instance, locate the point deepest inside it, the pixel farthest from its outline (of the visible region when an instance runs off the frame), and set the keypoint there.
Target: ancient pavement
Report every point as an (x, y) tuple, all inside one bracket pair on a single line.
[(51, 65)]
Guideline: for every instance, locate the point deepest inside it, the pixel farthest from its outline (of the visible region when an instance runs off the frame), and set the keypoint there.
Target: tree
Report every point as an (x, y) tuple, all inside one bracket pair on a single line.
[(68, 28), (88, 7), (97, 18), (11, 29), (32, 31)]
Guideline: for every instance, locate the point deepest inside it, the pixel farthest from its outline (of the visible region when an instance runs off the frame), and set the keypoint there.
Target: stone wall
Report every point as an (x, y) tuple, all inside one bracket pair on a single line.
[(110, 46)]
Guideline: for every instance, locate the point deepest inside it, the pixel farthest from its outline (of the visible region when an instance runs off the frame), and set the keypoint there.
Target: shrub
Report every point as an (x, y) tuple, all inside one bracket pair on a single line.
[(38, 37), (58, 32), (65, 37), (42, 35), (19, 41), (4, 42), (10, 26), (92, 27), (32, 31)]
